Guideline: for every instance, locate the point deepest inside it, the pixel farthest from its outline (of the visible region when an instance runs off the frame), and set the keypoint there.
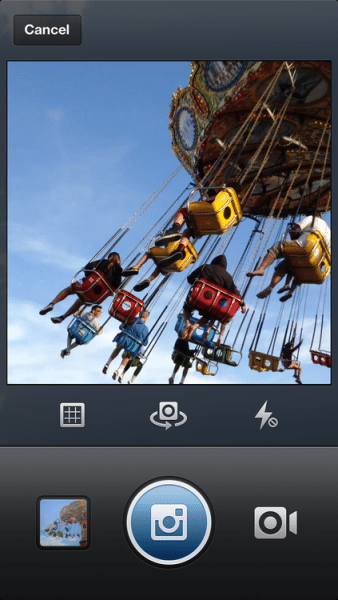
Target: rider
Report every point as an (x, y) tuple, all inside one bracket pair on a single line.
[(298, 233), (92, 319), (181, 358), (215, 272), (138, 336), (110, 267), (288, 361)]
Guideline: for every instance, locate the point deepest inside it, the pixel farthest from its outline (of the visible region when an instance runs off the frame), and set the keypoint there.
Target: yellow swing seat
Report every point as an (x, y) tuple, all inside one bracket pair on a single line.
[(215, 217), (203, 366), (190, 256), (310, 263), (258, 361)]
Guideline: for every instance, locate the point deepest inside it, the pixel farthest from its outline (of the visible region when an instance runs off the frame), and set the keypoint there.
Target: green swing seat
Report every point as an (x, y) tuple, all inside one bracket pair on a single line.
[(222, 354)]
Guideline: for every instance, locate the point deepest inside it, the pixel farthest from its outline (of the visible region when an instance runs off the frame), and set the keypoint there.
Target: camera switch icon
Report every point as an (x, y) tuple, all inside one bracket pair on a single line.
[(168, 415), (271, 522)]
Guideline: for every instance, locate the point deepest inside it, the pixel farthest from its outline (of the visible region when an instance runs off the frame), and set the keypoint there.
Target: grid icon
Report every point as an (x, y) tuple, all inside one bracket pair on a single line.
[(72, 414)]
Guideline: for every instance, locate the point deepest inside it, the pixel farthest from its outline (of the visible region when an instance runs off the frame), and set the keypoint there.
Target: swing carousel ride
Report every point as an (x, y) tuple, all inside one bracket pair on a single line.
[(254, 136), (71, 525)]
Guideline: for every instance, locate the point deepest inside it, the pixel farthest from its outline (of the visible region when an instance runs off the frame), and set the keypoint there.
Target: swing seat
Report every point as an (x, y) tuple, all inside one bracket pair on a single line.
[(222, 354), (94, 289), (215, 217), (182, 359), (213, 301), (321, 358), (190, 256), (198, 335), (129, 343), (258, 361), (81, 330), (310, 263), (125, 307), (203, 366)]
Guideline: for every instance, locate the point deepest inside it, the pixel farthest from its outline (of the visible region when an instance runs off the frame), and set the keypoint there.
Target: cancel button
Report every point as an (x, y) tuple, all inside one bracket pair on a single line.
[(43, 30)]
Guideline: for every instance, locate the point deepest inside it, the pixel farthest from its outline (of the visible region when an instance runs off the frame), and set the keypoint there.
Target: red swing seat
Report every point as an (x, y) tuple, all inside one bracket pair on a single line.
[(321, 358), (94, 289), (125, 307), (213, 301)]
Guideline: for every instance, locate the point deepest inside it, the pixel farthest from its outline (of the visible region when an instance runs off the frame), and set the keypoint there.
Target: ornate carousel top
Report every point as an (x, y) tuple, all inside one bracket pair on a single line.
[(76, 511), (263, 124)]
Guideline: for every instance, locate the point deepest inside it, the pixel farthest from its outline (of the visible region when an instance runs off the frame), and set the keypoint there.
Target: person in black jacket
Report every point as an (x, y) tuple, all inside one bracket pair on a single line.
[(216, 273), (173, 235), (109, 267)]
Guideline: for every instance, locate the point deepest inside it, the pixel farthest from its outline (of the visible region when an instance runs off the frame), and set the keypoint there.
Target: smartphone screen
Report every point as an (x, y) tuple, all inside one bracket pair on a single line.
[(167, 222)]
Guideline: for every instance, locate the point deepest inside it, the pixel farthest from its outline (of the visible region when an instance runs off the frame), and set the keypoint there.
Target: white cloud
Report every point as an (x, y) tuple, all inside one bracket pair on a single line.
[(34, 357), (47, 540), (15, 331), (32, 245)]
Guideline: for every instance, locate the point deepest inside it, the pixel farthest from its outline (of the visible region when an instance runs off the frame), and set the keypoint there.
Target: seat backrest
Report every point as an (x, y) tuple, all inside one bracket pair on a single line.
[(222, 354), (94, 289), (125, 307), (310, 262), (81, 330), (213, 300), (217, 216), (190, 256), (198, 335)]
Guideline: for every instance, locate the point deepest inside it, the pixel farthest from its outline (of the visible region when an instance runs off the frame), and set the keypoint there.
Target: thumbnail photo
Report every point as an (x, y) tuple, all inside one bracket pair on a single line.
[(62, 523)]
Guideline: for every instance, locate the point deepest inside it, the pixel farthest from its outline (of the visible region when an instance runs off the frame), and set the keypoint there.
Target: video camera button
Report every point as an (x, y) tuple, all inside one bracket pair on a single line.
[(168, 522), (272, 523)]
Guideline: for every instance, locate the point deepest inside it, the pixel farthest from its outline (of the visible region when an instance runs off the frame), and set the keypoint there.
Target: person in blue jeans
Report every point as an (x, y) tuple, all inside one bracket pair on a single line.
[(131, 338)]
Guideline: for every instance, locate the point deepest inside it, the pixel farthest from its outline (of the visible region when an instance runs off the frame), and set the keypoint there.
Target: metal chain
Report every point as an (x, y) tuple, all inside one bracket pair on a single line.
[(238, 135)]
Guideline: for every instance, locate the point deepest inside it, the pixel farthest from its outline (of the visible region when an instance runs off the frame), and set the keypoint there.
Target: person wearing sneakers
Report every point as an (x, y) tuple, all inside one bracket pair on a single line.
[(181, 358), (139, 287), (182, 216), (92, 318), (131, 338), (171, 235), (288, 361), (110, 267), (132, 362), (298, 232)]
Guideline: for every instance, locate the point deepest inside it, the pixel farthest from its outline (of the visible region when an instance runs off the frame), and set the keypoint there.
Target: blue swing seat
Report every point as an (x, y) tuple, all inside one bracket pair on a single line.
[(198, 335), (129, 343), (81, 331)]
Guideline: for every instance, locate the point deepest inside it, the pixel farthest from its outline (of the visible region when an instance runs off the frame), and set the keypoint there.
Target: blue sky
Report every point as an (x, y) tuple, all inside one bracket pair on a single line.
[(88, 144)]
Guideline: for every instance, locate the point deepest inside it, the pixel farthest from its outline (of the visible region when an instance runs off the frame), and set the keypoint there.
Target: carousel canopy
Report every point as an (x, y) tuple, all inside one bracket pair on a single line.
[(263, 124)]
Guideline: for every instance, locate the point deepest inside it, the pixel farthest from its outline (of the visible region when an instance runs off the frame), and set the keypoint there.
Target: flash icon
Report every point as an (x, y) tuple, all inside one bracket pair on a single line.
[(265, 416)]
